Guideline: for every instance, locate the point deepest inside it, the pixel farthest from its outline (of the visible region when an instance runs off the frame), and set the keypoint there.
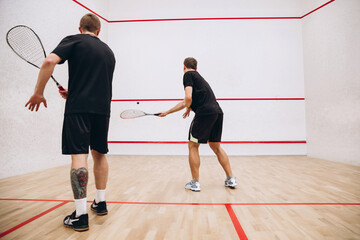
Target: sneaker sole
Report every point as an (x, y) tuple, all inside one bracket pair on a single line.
[(80, 229), (77, 229), (99, 214), (232, 187), (192, 190)]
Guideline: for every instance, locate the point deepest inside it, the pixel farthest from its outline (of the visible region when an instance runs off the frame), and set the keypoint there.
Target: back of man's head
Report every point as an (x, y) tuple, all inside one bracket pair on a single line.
[(190, 63), (90, 22)]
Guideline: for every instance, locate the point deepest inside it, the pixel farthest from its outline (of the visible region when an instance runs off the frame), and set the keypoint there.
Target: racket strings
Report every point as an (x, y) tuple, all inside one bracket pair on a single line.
[(132, 113), (26, 44)]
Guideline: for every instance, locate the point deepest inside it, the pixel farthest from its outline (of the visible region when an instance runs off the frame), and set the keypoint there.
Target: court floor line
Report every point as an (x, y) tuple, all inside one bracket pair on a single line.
[(31, 219), (236, 223), (180, 203)]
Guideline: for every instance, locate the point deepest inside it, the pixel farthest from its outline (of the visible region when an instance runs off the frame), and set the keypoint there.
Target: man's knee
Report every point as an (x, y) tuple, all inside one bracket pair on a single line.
[(215, 146), (96, 155), (193, 145)]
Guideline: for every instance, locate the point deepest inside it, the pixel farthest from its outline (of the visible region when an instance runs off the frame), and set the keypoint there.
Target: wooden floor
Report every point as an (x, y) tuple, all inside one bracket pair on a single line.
[(278, 197)]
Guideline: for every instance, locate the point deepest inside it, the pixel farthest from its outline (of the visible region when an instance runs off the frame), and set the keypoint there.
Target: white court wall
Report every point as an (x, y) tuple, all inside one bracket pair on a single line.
[(239, 58), (332, 81), (169, 9), (32, 141)]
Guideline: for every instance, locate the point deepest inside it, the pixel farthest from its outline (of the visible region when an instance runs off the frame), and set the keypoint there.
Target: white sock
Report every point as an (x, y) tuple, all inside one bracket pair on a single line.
[(100, 195), (80, 206)]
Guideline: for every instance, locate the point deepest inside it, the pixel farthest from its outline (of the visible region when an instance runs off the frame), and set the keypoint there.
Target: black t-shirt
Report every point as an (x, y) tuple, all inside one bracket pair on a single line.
[(91, 66), (203, 99)]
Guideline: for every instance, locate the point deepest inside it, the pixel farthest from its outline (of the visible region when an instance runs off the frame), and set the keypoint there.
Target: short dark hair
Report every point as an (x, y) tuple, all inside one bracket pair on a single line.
[(190, 62), (90, 22)]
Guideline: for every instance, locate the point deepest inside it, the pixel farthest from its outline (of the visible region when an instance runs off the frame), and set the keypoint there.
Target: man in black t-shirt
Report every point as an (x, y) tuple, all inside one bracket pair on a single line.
[(206, 125), (87, 111)]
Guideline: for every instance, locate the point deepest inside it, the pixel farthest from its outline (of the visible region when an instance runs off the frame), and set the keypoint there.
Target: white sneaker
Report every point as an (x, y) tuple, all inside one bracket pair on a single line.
[(193, 186), (231, 183)]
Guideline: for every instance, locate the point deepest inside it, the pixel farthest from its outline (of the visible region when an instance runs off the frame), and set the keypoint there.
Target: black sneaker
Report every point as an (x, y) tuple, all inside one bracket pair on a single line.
[(79, 224), (99, 208)]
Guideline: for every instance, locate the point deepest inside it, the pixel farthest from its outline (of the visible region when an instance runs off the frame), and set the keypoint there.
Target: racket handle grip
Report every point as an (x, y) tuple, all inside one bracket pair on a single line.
[(157, 114), (61, 88)]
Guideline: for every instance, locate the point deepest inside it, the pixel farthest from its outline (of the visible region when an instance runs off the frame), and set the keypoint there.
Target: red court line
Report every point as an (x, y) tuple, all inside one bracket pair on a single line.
[(91, 11), (31, 219), (295, 204), (167, 203), (149, 142), (202, 19), (145, 100), (260, 99), (219, 99), (34, 200), (317, 8), (237, 204), (236, 223), (223, 142)]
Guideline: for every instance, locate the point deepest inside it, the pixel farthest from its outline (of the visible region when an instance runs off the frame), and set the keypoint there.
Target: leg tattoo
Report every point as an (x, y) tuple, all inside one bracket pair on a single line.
[(79, 180)]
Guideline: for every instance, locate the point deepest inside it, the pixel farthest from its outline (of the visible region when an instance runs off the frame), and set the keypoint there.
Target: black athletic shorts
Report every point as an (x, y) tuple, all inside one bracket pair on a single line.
[(81, 130), (206, 128)]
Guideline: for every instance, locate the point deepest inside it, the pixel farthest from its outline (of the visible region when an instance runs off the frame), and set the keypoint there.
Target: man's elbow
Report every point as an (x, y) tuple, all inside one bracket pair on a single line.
[(49, 62)]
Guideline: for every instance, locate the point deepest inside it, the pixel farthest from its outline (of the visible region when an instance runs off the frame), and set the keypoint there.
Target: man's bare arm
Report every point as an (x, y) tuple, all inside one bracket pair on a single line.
[(181, 105), (176, 108), (45, 73)]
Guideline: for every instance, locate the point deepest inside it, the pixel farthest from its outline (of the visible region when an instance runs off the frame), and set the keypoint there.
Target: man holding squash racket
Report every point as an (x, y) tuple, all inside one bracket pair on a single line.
[(87, 111), (206, 126)]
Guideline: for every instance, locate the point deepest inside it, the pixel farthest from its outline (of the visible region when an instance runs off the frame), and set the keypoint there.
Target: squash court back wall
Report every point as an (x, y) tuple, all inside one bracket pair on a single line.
[(240, 59)]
